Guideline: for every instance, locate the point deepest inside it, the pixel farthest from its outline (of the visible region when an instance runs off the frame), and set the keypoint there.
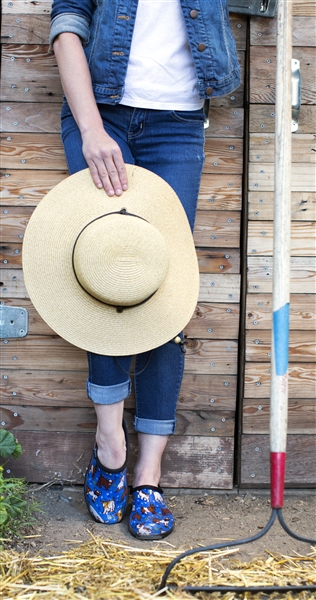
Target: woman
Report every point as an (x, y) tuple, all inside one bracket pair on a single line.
[(135, 78)]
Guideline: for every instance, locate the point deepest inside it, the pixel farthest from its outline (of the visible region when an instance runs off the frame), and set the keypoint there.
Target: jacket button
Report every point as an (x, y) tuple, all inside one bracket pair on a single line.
[(193, 14), (209, 91), (201, 47)]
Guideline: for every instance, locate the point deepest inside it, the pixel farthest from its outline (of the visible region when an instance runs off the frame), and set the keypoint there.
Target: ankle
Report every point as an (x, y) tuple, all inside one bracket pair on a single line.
[(111, 448)]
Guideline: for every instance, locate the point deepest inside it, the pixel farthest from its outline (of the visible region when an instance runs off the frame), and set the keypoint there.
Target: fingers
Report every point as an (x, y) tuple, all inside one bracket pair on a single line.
[(106, 165)]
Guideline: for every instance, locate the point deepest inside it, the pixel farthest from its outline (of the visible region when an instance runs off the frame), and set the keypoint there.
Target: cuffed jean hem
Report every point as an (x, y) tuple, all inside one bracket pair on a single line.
[(154, 427), (109, 394)]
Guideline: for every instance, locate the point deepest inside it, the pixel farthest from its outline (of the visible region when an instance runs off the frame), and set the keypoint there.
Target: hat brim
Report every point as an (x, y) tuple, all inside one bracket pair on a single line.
[(70, 311)]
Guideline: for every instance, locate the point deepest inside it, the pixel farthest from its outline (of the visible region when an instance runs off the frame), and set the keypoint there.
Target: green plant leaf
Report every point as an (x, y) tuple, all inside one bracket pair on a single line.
[(3, 515), (8, 444)]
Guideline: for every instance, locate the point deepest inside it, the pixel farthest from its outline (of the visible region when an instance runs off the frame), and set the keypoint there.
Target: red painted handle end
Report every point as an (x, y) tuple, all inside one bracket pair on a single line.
[(277, 477)]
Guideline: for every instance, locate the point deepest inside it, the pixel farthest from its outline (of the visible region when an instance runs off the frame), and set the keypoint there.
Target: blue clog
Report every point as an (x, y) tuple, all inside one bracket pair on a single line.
[(150, 518), (106, 490)]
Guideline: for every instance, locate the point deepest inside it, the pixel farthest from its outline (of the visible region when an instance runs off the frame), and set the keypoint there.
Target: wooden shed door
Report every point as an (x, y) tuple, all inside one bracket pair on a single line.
[(42, 376), (301, 446)]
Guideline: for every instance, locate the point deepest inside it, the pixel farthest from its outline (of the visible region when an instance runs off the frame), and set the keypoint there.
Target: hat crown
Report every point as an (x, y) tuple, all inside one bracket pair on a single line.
[(120, 259)]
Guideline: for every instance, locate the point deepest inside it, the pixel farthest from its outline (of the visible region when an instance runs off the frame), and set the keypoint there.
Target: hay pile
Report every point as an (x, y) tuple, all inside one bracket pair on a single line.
[(104, 570)]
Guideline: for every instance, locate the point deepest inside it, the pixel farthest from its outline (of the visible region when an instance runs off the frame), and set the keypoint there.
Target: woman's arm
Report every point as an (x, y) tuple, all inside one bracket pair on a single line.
[(101, 152)]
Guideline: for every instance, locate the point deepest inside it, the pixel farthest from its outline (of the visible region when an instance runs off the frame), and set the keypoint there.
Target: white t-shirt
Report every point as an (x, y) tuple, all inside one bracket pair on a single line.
[(161, 72)]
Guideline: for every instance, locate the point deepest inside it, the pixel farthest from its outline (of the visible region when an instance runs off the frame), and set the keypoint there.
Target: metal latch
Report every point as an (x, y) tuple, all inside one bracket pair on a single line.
[(263, 8), (296, 93), (13, 322)]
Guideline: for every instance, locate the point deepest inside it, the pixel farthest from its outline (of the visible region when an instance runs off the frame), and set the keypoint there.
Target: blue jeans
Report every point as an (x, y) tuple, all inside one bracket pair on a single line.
[(171, 144)]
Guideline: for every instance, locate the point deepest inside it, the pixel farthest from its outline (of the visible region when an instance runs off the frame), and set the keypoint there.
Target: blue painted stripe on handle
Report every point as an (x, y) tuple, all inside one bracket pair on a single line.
[(281, 326)]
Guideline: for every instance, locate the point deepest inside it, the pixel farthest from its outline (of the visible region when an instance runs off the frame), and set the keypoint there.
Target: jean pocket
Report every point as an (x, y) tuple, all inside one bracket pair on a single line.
[(189, 116)]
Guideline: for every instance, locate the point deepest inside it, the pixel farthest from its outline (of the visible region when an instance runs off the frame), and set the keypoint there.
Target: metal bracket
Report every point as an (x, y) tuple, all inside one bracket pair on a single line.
[(261, 8), (13, 322), (296, 93)]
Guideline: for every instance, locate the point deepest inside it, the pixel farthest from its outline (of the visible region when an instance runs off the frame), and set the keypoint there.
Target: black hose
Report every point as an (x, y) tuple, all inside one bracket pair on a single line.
[(217, 547), (291, 533)]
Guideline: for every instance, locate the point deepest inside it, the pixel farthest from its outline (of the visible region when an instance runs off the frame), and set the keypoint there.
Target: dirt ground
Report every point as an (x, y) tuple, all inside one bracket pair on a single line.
[(203, 518)]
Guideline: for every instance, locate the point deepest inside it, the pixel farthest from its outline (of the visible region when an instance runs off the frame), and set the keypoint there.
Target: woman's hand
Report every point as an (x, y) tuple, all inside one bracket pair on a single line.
[(101, 152), (104, 158)]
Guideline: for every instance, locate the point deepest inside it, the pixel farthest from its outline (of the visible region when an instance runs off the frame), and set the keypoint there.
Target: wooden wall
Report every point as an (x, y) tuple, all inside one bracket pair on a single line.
[(301, 470), (43, 377)]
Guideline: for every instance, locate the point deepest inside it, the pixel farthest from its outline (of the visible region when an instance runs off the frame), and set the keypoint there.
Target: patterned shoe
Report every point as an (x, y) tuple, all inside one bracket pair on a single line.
[(106, 490), (150, 518)]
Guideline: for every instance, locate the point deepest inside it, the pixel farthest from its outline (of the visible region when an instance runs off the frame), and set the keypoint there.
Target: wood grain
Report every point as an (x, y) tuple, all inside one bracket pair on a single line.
[(32, 151), (300, 464), (301, 379), (68, 388), (217, 229), (261, 148), (261, 177), (223, 156), (260, 238), (301, 416), (301, 347), (27, 188), (30, 117), (261, 206), (220, 192), (302, 311), (189, 461), (262, 118), (262, 74), (263, 32), (302, 274)]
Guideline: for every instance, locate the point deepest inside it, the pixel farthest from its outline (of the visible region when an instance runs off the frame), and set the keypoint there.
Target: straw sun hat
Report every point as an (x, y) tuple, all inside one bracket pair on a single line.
[(114, 276)]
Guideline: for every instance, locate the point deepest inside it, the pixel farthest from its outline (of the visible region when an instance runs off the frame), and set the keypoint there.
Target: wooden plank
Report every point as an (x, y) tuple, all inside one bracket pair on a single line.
[(301, 416), (211, 260), (12, 284), (13, 222), (211, 356), (302, 274), (302, 311), (28, 28), (262, 74), (302, 346), (11, 255), (301, 378), (217, 229), (29, 74), (41, 418), (40, 7), (263, 32), (220, 192), (219, 288), (223, 156), (217, 192), (260, 238), (45, 352), (218, 260), (304, 7), (213, 287), (261, 206), (27, 188), (30, 117), (68, 389), (32, 151), (25, 29), (262, 118), (189, 461), (36, 325), (261, 148), (225, 122), (300, 463), (261, 177), (214, 321)]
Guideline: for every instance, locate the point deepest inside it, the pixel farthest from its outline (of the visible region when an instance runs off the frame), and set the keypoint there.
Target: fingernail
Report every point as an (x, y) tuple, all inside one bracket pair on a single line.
[(110, 192), (118, 192), (125, 186)]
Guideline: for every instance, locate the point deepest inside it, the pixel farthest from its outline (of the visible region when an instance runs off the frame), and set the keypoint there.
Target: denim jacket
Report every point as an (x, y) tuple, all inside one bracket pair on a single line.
[(106, 29)]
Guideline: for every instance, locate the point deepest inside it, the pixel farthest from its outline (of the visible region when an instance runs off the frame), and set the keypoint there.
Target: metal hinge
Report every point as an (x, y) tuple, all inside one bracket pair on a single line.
[(296, 93), (13, 322), (263, 8)]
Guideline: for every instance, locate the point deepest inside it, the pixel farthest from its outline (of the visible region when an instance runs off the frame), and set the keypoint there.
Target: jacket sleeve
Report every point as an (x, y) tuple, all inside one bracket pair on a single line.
[(71, 16)]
